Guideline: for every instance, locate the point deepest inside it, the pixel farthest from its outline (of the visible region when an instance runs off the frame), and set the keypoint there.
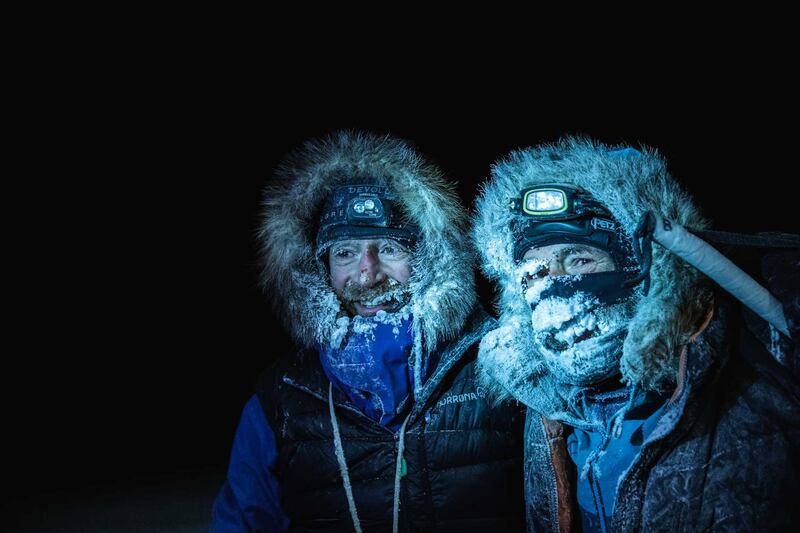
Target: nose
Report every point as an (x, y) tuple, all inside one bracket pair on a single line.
[(369, 268), (556, 269)]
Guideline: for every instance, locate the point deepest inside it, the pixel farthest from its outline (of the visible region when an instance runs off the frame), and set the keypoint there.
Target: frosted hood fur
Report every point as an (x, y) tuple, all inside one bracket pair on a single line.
[(629, 183), (442, 280)]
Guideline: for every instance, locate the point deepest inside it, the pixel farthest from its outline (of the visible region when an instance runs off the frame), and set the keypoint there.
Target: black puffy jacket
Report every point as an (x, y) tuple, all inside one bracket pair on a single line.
[(464, 458)]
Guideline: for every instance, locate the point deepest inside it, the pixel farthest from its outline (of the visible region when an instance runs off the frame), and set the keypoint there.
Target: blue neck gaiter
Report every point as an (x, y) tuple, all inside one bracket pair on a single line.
[(372, 367)]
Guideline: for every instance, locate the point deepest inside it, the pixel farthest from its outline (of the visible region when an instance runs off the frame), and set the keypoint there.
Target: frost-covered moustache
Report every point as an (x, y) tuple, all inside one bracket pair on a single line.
[(579, 324), (388, 290)]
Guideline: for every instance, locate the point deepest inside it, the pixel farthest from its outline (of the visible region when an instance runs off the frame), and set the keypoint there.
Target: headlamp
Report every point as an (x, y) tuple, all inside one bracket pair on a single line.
[(557, 202), (363, 211), (368, 208), (555, 213), (544, 201)]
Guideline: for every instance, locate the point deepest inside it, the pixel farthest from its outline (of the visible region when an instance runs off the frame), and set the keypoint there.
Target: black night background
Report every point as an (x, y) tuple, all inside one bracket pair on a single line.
[(146, 331)]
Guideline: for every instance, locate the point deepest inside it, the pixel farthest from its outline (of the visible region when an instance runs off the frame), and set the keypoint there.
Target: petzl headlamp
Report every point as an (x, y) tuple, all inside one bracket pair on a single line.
[(545, 201), (556, 214), (363, 211)]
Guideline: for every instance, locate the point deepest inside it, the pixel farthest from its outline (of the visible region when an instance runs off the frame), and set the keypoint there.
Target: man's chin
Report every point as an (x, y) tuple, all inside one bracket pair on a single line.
[(371, 310)]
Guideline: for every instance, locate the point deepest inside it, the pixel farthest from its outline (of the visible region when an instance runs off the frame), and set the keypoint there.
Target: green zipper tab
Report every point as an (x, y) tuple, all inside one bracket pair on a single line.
[(403, 467)]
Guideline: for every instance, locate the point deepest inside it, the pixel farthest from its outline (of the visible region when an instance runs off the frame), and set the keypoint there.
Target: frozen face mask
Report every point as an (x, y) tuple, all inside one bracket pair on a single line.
[(579, 323)]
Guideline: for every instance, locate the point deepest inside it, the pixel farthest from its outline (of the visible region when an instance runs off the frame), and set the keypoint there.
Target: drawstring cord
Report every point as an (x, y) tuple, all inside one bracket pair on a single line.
[(337, 440), (398, 473), (348, 488)]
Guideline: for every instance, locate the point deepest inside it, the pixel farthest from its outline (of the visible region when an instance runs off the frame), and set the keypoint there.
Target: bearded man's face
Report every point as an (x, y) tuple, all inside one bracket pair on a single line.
[(369, 275)]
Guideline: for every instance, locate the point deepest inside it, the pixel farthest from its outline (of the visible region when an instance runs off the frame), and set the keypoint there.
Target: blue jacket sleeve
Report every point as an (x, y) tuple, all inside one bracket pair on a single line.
[(250, 498)]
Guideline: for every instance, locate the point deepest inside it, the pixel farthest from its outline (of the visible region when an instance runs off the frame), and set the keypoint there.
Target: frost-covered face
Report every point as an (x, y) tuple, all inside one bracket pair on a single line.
[(579, 310), (569, 259), (369, 275)]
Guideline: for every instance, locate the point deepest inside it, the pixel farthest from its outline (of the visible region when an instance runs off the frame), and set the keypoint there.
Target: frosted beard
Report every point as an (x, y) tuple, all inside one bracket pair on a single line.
[(579, 324), (389, 292)]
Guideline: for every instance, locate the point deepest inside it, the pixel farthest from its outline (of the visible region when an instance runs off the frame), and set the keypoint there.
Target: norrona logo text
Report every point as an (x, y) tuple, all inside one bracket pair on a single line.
[(480, 392)]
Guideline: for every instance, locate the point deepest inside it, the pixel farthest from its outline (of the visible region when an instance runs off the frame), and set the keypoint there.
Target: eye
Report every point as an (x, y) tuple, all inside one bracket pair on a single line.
[(580, 261), (343, 253), (579, 264), (392, 249)]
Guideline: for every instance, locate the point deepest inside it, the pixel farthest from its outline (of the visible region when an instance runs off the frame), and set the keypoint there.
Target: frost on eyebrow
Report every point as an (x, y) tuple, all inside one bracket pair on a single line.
[(397, 244), (580, 249), (595, 254)]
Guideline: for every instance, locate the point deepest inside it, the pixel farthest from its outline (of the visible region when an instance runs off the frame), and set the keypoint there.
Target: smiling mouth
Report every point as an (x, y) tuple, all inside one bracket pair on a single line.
[(389, 297), (369, 310), (385, 298), (384, 302)]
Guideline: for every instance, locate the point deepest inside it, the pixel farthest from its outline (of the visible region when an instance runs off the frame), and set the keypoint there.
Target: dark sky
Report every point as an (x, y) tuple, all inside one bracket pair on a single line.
[(150, 331)]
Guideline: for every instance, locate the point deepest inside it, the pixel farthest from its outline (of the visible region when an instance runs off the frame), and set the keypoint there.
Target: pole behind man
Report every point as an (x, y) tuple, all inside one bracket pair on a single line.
[(651, 406)]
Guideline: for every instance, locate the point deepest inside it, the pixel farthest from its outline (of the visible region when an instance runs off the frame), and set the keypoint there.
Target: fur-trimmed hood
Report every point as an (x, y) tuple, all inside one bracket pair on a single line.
[(629, 183), (442, 280)]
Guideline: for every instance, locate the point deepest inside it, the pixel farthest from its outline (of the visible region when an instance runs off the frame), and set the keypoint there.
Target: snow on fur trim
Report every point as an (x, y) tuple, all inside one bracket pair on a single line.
[(297, 284), (628, 182)]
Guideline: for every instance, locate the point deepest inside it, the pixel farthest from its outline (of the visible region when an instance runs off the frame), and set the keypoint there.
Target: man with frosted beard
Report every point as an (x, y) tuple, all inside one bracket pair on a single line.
[(650, 405), (375, 422)]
